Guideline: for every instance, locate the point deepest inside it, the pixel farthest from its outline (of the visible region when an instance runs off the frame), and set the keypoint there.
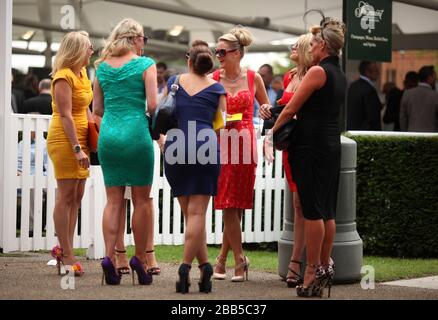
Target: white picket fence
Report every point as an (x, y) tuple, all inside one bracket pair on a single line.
[(262, 224)]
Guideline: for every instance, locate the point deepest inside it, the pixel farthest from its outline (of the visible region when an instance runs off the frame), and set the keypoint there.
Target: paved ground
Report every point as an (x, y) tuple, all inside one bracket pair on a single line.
[(26, 276), (426, 282)]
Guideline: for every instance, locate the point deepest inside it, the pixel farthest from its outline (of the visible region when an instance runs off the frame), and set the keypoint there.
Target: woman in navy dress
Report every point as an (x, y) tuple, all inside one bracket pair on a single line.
[(192, 158)]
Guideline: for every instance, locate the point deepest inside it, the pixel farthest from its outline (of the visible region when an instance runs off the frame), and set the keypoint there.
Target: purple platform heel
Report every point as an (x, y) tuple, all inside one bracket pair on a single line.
[(109, 272), (144, 278)]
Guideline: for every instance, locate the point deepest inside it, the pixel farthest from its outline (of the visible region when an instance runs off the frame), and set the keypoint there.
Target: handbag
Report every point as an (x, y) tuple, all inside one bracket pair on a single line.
[(284, 135), (269, 123), (218, 121), (164, 118), (154, 135), (93, 136)]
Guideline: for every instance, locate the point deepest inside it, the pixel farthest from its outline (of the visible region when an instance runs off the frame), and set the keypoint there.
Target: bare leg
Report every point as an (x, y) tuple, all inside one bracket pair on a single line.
[(329, 237), (74, 210), (299, 237), (150, 253), (121, 258), (61, 216), (140, 218), (232, 218), (195, 231), (120, 243), (314, 237), (111, 218)]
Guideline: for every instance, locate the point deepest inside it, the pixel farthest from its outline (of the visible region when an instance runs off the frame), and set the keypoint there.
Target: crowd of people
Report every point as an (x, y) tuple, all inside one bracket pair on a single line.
[(413, 109), (129, 85)]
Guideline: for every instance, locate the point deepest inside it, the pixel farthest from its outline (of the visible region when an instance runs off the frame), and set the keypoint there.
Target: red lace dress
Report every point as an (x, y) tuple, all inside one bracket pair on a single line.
[(287, 95), (236, 180)]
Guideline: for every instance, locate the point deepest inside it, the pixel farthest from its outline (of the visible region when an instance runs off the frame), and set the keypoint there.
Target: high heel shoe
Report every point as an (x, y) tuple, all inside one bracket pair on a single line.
[(78, 270), (243, 265), (315, 288), (156, 270), (58, 253), (220, 266), (110, 274), (143, 277), (295, 279), (62, 268), (121, 261), (183, 284), (329, 275), (205, 281)]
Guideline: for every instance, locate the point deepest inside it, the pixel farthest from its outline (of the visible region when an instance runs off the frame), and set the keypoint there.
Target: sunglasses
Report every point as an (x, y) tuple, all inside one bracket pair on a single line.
[(220, 53), (187, 55), (145, 39)]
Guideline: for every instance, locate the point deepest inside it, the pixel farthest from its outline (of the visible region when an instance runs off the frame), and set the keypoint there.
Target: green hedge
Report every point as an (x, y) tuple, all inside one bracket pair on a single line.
[(397, 195)]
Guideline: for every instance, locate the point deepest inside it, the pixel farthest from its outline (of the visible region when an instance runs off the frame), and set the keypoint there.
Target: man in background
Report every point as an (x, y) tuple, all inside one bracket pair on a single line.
[(419, 105), (41, 104), (267, 73), (363, 103)]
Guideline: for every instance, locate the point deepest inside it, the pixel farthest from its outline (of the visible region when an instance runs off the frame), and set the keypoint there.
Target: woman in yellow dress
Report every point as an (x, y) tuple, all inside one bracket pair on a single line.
[(67, 139)]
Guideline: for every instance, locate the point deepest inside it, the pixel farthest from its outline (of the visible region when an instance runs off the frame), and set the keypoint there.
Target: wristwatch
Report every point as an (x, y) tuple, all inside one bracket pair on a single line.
[(77, 148)]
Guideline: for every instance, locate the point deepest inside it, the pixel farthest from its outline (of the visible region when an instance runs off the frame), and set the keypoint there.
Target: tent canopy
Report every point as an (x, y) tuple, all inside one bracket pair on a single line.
[(98, 17)]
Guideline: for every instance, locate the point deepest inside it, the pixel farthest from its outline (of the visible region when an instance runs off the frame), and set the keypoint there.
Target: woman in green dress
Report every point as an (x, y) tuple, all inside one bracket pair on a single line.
[(125, 82)]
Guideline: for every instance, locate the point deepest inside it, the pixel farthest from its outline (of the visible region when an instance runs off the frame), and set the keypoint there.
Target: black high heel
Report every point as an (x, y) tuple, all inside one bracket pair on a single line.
[(183, 284), (295, 279), (315, 288), (205, 281)]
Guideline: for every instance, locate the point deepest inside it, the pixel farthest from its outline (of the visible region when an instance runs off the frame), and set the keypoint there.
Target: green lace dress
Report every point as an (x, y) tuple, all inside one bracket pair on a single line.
[(125, 147)]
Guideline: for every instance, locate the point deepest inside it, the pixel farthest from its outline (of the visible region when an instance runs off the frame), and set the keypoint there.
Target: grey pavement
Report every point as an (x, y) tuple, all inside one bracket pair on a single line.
[(27, 276)]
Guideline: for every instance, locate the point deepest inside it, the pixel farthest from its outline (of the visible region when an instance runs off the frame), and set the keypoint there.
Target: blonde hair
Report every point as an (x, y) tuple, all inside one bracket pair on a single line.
[(238, 38), (72, 51), (121, 40), (332, 31), (304, 57)]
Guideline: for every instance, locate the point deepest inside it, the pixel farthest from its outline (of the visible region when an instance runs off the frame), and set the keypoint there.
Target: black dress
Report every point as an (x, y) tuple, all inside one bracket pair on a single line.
[(315, 153)]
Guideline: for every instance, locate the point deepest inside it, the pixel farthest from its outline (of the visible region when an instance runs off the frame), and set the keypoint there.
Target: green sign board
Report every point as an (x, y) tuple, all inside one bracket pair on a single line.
[(369, 27)]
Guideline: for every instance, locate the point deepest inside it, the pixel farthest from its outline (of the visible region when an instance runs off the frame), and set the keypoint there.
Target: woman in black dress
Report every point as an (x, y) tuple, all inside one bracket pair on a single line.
[(315, 153)]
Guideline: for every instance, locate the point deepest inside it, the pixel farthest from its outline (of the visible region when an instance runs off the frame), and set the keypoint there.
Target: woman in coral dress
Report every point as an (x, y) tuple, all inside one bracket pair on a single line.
[(300, 55), (238, 146)]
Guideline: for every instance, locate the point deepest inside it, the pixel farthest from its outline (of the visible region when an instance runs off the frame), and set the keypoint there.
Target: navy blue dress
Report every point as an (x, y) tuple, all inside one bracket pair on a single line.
[(191, 152)]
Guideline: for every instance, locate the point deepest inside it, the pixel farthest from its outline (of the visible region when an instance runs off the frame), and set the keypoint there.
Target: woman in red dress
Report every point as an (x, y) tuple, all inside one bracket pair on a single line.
[(239, 154), (300, 55)]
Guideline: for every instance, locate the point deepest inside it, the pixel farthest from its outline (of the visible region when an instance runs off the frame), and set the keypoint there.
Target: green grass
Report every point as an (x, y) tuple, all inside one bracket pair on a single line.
[(386, 269)]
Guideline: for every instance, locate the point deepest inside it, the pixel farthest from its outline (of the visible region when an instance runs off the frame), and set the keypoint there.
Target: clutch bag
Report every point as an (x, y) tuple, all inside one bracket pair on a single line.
[(283, 137)]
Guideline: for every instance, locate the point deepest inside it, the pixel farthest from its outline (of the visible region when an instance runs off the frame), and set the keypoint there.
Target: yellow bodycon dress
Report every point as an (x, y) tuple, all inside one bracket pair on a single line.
[(58, 146)]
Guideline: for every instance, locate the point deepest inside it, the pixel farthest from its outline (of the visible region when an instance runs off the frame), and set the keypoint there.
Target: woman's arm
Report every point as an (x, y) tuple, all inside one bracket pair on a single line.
[(222, 103), (260, 91), (313, 80), (150, 84), (63, 100), (98, 107)]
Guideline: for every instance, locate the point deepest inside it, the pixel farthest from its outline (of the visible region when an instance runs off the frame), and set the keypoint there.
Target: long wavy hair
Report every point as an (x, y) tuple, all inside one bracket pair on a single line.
[(72, 51)]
